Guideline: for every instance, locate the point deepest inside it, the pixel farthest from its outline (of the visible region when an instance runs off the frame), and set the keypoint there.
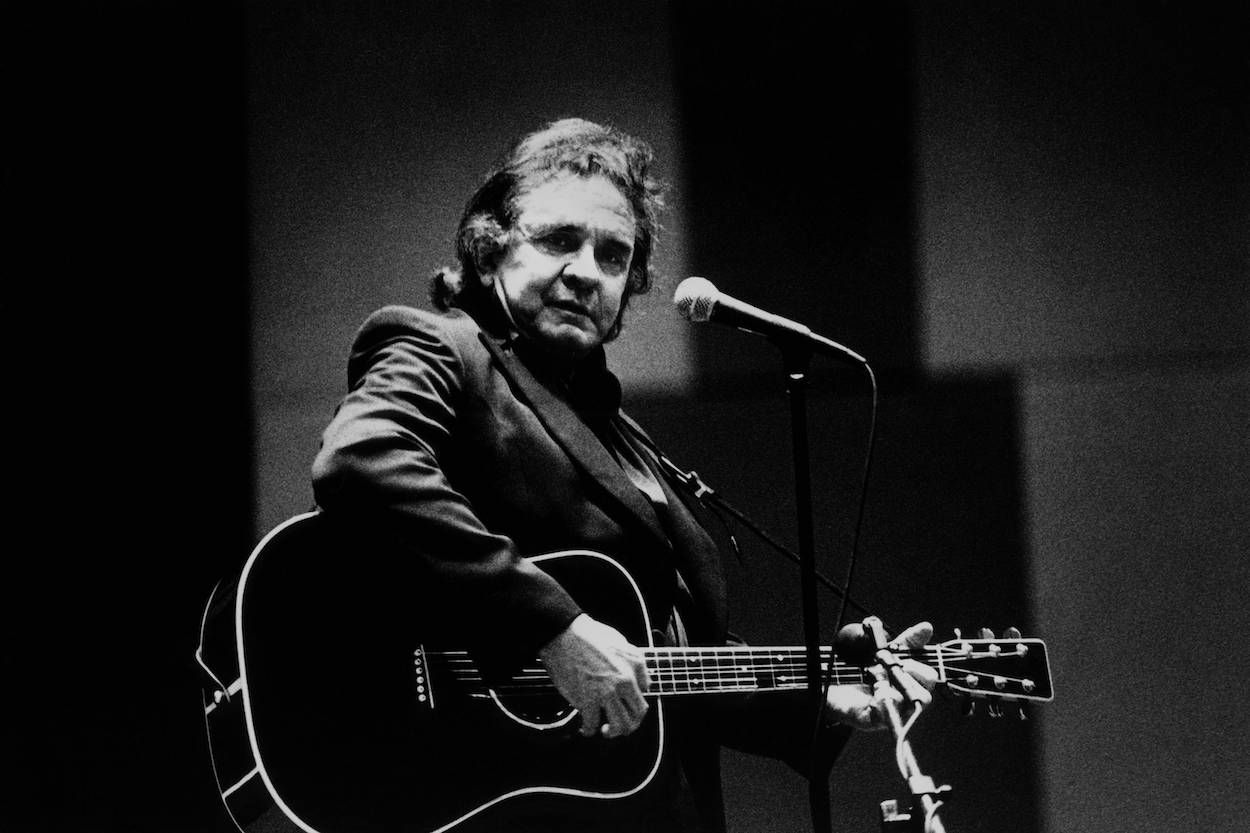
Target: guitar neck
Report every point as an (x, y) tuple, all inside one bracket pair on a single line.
[(1000, 669), (718, 670), (1005, 669)]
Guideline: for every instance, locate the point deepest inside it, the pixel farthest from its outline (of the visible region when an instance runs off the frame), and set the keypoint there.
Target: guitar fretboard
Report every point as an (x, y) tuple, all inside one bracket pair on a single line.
[(705, 670)]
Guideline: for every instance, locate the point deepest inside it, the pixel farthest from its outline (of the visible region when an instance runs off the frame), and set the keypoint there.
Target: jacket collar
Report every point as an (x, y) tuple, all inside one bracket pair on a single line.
[(549, 393)]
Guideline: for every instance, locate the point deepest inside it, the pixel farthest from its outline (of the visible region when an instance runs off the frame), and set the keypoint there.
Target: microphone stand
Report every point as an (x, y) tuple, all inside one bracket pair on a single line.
[(924, 791), (797, 344), (796, 355)]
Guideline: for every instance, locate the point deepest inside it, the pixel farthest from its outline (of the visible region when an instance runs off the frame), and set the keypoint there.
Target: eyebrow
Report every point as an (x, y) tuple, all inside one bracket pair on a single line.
[(540, 229)]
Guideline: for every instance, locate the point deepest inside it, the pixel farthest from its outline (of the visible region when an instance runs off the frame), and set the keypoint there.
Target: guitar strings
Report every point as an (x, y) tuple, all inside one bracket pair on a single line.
[(729, 673), (762, 658), (680, 670), (993, 650)]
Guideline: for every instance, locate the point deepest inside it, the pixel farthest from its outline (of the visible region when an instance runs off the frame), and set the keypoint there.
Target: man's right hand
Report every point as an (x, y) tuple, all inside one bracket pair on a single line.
[(601, 674)]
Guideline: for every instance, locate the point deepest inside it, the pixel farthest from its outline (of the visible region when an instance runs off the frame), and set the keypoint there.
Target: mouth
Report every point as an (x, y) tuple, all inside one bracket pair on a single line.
[(570, 307)]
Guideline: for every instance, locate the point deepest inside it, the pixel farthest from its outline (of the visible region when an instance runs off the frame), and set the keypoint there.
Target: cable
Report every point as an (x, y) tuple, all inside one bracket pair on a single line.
[(863, 494), (859, 519), (710, 499)]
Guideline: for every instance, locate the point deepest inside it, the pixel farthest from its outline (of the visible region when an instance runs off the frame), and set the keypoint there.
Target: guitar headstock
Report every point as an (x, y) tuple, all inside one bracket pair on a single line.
[(1008, 669)]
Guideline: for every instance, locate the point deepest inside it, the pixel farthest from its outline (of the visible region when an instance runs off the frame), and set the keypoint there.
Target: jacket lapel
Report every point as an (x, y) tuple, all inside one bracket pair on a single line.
[(699, 557), (578, 441)]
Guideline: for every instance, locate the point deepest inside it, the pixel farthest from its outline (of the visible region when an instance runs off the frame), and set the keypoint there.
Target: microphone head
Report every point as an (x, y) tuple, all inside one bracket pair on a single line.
[(695, 299), (854, 644)]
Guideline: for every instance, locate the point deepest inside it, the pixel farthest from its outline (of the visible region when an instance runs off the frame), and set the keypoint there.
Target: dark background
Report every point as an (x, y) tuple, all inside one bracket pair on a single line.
[(133, 432), (861, 168)]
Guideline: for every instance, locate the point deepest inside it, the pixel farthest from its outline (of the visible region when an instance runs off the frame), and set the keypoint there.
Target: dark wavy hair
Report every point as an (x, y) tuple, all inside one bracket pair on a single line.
[(575, 146)]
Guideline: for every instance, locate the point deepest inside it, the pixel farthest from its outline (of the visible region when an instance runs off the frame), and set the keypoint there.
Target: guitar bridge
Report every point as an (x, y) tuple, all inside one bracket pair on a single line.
[(421, 678)]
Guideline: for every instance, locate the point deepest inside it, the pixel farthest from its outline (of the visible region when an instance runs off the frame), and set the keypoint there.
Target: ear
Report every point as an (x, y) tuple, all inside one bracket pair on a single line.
[(487, 254)]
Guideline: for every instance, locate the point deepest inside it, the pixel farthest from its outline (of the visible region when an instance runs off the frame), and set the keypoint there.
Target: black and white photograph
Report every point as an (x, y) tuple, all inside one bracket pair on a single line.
[(665, 416)]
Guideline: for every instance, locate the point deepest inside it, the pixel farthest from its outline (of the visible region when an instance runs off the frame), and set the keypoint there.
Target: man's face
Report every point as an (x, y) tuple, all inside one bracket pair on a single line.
[(565, 271)]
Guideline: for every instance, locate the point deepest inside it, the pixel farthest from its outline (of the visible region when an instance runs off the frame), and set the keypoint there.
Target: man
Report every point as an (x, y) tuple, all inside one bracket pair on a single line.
[(474, 439)]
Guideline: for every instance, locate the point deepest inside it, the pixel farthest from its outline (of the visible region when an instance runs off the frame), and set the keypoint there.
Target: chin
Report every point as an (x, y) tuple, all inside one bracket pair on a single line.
[(569, 341)]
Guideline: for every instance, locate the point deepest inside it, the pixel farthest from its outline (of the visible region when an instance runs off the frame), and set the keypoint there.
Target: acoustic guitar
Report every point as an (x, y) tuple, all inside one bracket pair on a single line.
[(328, 715)]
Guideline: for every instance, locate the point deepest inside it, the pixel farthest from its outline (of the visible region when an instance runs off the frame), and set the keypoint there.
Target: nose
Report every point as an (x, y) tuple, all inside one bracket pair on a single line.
[(583, 267)]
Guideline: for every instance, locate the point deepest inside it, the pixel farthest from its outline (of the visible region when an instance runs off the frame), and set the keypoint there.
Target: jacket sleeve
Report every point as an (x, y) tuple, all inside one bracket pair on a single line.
[(382, 464)]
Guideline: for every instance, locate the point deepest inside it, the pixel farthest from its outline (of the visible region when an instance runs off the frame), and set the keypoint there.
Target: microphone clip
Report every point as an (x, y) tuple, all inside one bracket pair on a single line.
[(883, 653), (700, 488)]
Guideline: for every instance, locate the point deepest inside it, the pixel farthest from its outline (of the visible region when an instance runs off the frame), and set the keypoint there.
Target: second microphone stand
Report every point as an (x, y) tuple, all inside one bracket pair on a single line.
[(889, 673)]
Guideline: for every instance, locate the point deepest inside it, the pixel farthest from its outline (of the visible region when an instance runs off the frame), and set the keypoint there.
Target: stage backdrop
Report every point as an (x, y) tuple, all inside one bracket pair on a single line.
[(1028, 221), (1032, 221)]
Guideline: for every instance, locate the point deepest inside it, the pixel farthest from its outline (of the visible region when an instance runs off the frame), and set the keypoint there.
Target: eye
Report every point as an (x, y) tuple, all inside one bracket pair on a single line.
[(560, 241), (613, 258)]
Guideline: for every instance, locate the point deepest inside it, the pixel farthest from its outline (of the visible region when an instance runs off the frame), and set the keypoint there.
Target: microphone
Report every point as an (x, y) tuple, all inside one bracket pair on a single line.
[(698, 300)]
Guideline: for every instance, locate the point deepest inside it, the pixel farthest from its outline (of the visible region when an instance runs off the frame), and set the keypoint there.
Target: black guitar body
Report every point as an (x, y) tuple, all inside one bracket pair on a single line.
[(338, 700), (347, 712)]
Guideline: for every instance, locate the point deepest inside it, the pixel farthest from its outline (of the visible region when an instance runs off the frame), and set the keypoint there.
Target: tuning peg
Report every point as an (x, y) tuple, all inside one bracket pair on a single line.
[(1022, 714), (968, 707), (994, 709), (986, 633), (1011, 633)]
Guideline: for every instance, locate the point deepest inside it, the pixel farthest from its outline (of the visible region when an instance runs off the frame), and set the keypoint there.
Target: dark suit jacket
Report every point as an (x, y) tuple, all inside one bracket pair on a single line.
[(468, 453)]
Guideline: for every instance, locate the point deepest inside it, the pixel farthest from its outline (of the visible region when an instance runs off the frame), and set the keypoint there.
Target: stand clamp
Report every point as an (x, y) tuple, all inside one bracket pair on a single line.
[(926, 794)]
